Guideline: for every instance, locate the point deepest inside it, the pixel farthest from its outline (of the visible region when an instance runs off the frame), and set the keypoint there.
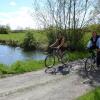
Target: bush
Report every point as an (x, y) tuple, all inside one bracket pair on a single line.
[(51, 35), (29, 42), (76, 39), (3, 30), (94, 27)]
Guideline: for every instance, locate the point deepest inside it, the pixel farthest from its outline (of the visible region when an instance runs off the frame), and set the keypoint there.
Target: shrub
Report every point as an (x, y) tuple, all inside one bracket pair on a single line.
[(29, 42), (94, 27), (3, 30), (51, 35), (76, 39)]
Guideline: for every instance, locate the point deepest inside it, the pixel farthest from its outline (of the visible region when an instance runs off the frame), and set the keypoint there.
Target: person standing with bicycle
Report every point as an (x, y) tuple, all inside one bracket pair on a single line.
[(94, 44)]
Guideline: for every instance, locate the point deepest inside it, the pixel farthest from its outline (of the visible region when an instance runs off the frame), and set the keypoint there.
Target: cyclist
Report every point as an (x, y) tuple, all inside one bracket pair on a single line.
[(94, 43), (59, 43)]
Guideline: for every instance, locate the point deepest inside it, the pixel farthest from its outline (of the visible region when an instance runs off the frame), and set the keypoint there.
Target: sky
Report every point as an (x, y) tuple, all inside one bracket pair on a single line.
[(17, 14)]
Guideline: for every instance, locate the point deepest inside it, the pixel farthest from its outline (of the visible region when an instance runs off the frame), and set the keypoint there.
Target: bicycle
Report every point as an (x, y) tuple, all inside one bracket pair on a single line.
[(90, 62), (55, 55)]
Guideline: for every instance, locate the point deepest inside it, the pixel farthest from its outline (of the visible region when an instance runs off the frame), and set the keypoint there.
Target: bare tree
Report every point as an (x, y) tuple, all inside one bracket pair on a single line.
[(68, 15), (96, 13)]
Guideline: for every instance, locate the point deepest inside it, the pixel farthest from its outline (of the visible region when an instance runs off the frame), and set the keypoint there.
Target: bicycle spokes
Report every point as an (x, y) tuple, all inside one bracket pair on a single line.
[(49, 61)]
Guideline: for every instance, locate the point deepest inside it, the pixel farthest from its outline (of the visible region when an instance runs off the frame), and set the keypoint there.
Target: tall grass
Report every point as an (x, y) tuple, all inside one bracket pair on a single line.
[(92, 95), (21, 67)]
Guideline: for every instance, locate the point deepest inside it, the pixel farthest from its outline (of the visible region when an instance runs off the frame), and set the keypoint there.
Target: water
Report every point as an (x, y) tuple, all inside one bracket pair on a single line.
[(9, 55)]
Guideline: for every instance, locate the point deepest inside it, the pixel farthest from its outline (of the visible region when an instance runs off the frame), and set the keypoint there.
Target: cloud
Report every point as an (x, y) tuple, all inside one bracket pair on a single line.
[(12, 3), (21, 18)]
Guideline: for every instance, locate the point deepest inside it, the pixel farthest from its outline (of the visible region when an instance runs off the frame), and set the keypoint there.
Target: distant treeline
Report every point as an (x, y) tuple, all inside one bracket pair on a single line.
[(74, 38), (5, 29)]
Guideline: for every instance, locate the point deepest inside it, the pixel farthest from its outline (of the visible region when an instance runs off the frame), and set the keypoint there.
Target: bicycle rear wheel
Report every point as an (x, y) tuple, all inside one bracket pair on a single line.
[(65, 58), (49, 61)]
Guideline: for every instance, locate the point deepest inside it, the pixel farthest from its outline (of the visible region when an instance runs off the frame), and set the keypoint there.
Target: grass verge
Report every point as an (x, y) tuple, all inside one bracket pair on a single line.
[(92, 95), (33, 65), (21, 67)]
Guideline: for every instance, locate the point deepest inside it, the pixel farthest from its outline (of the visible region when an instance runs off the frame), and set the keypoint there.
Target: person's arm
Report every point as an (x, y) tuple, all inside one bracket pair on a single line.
[(89, 44), (54, 44), (62, 42), (98, 44)]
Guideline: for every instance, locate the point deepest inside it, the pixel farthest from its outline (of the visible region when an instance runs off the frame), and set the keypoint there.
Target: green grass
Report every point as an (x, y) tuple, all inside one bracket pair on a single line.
[(26, 66), (92, 95), (21, 67), (33, 65), (12, 36), (40, 37), (77, 55)]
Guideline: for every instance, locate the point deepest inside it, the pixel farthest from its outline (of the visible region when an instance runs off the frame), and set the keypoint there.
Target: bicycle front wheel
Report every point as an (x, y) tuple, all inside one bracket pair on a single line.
[(49, 61)]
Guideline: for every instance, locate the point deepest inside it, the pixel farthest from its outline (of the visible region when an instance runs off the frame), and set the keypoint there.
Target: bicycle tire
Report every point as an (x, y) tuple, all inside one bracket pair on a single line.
[(49, 61), (89, 65), (65, 58)]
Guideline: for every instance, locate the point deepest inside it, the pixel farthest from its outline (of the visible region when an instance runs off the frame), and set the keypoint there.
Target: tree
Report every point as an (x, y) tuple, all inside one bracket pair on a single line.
[(29, 42), (96, 13), (67, 15), (3, 30)]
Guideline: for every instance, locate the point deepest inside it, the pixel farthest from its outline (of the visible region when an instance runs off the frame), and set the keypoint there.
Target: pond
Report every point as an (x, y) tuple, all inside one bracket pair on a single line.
[(9, 55)]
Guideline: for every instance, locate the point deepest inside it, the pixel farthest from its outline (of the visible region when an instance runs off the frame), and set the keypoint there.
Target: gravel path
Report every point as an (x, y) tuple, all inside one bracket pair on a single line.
[(42, 86)]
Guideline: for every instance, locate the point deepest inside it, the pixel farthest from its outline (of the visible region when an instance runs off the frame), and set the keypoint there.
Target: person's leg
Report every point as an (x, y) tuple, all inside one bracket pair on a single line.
[(98, 59)]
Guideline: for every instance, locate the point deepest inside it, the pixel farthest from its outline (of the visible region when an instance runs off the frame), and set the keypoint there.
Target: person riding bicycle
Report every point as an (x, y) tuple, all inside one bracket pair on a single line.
[(94, 43), (59, 43)]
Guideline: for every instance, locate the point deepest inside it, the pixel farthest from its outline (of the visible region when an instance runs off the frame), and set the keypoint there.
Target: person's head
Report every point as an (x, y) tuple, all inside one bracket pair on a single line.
[(94, 34)]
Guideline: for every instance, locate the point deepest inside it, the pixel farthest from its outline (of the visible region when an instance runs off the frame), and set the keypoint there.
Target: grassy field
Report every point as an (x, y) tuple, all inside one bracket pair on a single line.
[(40, 37), (92, 95), (12, 36)]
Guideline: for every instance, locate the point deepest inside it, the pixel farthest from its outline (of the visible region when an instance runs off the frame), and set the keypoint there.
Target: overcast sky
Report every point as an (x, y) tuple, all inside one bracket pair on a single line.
[(17, 14)]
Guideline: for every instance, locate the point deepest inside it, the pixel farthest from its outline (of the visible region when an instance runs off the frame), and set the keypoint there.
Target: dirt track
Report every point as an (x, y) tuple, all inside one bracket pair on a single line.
[(42, 86)]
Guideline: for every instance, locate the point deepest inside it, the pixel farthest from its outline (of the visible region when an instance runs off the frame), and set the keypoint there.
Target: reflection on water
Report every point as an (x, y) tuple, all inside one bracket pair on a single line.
[(9, 55)]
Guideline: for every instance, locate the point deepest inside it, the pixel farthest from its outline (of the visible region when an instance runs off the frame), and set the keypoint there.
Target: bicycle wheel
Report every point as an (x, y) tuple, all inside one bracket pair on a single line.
[(65, 58), (49, 61), (90, 65)]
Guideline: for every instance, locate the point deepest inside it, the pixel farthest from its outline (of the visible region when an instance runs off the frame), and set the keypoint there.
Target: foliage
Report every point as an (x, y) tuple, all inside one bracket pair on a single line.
[(3, 69), (39, 35), (47, 36), (94, 27), (4, 29), (29, 42), (76, 39), (51, 34)]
